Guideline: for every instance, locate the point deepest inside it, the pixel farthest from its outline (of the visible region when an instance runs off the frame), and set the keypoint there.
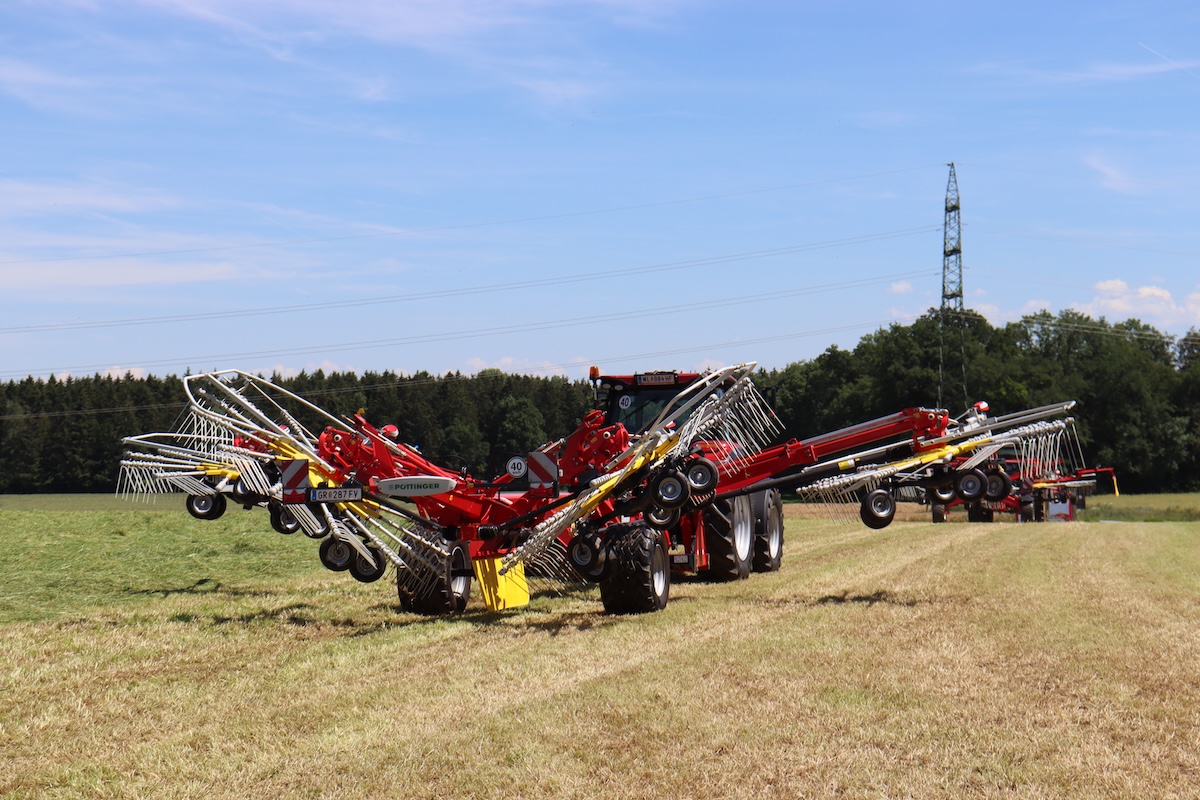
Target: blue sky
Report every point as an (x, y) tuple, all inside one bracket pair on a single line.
[(442, 185)]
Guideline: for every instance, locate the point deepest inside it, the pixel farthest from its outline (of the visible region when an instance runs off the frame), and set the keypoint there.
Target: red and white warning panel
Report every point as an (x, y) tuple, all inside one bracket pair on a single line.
[(295, 480), (543, 470)]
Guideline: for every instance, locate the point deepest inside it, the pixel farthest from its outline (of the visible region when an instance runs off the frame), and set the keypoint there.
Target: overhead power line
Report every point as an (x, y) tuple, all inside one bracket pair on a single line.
[(545, 368), (496, 330), (463, 226), (474, 290)]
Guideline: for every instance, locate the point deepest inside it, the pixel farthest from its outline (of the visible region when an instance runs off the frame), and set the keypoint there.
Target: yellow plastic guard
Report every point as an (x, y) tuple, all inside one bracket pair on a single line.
[(509, 590)]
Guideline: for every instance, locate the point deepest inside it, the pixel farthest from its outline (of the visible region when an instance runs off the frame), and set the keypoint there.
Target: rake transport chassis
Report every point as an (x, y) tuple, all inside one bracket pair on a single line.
[(669, 475)]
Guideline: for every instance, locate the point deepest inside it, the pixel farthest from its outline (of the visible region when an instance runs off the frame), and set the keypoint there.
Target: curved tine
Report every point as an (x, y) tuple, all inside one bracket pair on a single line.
[(242, 415), (700, 389), (268, 392)]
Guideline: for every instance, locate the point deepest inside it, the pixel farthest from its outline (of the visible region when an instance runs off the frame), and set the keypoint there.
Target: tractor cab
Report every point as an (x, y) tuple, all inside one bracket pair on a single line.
[(637, 400)]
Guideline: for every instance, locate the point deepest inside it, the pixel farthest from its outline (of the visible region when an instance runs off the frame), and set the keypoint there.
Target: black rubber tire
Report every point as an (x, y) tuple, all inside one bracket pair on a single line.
[(977, 512), (878, 509), (451, 590), (701, 475), (282, 520), (363, 570), (729, 539), (939, 512), (943, 493), (639, 574), (205, 506), (587, 557), (241, 493), (999, 485), (767, 507), (663, 518), (669, 490), (970, 485), (336, 554)]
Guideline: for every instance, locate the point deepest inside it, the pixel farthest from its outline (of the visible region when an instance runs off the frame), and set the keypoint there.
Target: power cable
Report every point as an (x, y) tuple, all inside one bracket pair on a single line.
[(463, 226), (474, 290), (545, 368), (519, 328)]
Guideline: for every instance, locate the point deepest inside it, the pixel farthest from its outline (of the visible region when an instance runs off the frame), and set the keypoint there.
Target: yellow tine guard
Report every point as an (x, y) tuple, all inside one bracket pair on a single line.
[(509, 590)]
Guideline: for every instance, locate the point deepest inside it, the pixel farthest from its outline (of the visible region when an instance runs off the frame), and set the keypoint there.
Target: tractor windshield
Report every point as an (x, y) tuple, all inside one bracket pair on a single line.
[(638, 407)]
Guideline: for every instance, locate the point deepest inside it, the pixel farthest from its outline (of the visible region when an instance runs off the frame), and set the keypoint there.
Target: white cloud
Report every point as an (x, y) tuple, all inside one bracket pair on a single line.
[(901, 287), (1117, 301), (515, 364)]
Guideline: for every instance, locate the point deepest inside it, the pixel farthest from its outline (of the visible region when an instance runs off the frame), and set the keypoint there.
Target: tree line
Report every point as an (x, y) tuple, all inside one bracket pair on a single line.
[(1138, 392)]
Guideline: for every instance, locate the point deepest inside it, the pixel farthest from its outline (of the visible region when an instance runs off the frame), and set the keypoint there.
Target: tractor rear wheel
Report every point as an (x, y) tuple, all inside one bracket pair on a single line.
[(729, 539), (639, 574), (768, 530)]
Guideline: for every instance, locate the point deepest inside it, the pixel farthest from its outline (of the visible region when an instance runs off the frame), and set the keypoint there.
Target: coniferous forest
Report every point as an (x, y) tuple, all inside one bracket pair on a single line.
[(1138, 394)]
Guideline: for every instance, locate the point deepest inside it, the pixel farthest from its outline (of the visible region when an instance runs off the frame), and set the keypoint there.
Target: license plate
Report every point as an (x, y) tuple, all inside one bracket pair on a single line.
[(340, 494)]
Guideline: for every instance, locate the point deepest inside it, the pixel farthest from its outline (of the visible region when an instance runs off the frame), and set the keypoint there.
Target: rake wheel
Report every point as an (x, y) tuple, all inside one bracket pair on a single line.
[(878, 509), (205, 506)]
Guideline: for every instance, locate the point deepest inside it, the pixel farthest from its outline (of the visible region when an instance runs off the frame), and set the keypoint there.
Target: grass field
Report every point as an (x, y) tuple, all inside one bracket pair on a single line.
[(147, 654)]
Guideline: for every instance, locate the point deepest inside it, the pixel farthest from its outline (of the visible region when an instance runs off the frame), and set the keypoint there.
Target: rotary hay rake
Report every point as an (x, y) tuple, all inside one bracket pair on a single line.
[(960, 465), (237, 436), (696, 491), (242, 438)]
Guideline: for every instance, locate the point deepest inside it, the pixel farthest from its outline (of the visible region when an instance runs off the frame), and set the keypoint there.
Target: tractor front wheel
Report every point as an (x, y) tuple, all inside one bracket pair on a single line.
[(639, 574)]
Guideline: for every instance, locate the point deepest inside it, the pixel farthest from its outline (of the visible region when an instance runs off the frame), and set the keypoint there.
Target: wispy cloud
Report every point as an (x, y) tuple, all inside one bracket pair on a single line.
[(26, 198), (1185, 67), (1093, 73), (1112, 177), (74, 276), (38, 86)]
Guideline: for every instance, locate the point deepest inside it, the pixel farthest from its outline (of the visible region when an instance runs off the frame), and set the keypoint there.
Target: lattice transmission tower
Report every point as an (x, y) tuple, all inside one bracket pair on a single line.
[(952, 290)]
